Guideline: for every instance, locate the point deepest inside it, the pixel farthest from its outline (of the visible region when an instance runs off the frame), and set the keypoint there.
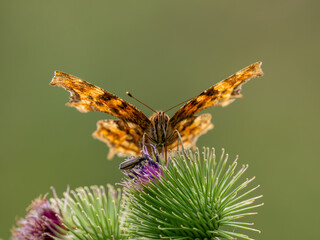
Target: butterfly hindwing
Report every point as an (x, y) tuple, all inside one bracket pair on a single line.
[(191, 129), (123, 138)]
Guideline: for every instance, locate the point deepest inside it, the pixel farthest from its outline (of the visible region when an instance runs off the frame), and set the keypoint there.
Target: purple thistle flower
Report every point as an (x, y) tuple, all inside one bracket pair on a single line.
[(42, 222), (142, 173)]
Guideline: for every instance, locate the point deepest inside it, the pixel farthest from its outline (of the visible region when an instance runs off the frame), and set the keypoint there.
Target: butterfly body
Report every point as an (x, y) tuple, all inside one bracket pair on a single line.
[(126, 135), (159, 131)]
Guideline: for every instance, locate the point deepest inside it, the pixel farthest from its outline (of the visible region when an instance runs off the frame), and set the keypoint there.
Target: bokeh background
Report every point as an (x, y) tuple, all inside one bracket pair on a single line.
[(164, 52)]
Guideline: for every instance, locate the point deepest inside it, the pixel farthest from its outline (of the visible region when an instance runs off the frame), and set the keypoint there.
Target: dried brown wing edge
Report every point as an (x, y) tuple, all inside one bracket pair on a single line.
[(69, 83)]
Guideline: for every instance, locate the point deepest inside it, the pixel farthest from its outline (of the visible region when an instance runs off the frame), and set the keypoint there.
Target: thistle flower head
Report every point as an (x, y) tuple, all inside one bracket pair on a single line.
[(41, 222), (142, 173), (92, 213), (197, 198)]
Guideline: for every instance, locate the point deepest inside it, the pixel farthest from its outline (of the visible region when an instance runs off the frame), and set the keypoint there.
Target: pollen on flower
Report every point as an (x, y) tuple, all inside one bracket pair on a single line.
[(41, 222)]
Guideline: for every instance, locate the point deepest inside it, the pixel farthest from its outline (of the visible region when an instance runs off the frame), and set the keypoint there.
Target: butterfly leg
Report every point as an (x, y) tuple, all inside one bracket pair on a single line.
[(143, 139), (180, 139), (165, 154)]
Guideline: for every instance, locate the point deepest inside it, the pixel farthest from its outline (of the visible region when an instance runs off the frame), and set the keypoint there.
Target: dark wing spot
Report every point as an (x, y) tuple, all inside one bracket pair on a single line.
[(194, 102), (200, 105), (99, 103), (183, 128), (106, 97), (120, 126), (114, 110), (213, 99), (91, 98), (136, 115), (123, 105), (211, 92)]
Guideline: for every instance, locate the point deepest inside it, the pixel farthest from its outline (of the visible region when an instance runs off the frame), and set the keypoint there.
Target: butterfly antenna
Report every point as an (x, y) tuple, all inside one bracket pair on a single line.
[(177, 105), (130, 95)]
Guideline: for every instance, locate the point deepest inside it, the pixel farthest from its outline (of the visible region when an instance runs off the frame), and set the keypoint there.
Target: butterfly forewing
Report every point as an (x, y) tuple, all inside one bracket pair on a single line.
[(87, 97), (222, 93)]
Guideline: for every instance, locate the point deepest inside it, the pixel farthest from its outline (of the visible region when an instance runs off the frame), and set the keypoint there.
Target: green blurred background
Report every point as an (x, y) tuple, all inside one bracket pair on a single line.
[(164, 52)]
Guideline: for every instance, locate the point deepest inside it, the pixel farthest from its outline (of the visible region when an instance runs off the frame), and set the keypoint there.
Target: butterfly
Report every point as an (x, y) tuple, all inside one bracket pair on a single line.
[(126, 135)]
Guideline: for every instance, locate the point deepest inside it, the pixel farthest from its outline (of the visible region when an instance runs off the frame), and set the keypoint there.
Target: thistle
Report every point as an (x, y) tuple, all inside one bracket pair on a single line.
[(42, 222), (92, 213), (194, 197), (141, 174)]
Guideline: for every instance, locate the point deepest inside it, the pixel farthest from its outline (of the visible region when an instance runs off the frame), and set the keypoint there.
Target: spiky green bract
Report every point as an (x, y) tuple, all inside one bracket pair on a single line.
[(92, 213), (196, 198)]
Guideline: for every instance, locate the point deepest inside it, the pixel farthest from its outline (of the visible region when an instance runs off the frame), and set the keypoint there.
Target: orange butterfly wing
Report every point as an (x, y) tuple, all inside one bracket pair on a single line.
[(221, 94), (123, 138), (191, 129), (87, 97)]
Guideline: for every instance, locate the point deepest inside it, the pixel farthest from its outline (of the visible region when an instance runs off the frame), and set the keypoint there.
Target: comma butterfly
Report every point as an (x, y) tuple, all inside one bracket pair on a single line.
[(125, 136)]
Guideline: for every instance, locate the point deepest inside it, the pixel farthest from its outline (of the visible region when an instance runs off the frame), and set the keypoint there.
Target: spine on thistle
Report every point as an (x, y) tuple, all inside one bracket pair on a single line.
[(196, 196)]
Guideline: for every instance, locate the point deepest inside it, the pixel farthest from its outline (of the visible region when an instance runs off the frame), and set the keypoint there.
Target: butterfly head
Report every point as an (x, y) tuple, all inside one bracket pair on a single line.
[(160, 128)]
